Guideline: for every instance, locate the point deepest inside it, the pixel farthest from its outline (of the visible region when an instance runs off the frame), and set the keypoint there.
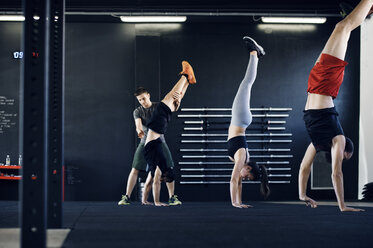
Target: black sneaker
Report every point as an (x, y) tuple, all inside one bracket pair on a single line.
[(253, 46)]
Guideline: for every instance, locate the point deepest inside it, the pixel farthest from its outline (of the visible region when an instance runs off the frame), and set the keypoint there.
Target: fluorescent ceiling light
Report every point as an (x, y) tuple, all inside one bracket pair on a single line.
[(314, 20), (282, 27), (153, 18), (12, 18)]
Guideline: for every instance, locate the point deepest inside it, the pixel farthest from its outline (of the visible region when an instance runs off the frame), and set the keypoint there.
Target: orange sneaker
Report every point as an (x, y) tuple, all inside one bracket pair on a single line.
[(188, 71)]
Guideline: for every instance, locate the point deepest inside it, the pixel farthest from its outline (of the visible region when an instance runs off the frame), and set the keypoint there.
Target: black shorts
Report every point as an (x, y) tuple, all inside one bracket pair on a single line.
[(236, 143), (322, 126), (159, 120), (154, 156)]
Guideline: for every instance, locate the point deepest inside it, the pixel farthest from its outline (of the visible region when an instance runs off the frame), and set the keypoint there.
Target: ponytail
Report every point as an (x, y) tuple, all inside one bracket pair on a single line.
[(264, 186), (262, 175)]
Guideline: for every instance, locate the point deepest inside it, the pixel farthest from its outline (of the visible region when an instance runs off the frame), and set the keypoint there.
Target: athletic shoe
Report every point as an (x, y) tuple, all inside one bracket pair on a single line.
[(125, 200), (174, 201), (188, 72), (345, 9), (253, 46)]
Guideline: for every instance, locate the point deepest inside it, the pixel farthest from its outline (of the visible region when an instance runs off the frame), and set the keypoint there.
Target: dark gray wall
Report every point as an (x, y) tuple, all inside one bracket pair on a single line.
[(10, 41), (105, 62), (98, 112)]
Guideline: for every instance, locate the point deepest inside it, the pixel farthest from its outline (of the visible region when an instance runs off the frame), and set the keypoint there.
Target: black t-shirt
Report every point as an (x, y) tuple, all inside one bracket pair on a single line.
[(144, 114)]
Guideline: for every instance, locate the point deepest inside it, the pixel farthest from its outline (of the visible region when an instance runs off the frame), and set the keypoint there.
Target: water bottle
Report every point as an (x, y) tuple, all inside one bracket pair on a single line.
[(140, 189), (7, 161), (20, 160)]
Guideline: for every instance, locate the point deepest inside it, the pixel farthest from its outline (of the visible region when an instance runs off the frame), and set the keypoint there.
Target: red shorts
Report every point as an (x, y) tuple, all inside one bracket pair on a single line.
[(326, 76)]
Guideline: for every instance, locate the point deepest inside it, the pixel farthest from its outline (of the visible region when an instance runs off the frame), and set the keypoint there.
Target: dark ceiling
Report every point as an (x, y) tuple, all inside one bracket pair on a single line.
[(302, 6)]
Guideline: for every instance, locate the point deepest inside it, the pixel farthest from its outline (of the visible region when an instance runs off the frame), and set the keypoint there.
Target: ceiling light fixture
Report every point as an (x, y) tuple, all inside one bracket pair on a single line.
[(308, 20), (153, 18), (12, 18)]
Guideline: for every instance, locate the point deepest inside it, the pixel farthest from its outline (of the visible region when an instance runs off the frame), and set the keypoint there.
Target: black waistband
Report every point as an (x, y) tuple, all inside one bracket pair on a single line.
[(331, 110)]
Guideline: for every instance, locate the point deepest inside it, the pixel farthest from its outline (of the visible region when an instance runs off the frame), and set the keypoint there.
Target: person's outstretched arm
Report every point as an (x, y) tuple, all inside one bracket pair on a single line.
[(239, 191), (234, 184), (138, 124), (239, 195), (304, 174), (337, 174)]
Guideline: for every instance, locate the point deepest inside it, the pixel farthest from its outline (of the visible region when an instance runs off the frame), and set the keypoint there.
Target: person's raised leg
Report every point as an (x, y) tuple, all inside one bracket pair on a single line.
[(173, 98), (338, 40), (241, 114)]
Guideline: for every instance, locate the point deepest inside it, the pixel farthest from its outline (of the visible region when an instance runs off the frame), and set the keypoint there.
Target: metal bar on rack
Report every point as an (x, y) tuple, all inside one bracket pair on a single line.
[(228, 116), (230, 109), (210, 176), (202, 122), (226, 156), (225, 150), (203, 150), (205, 169), (278, 169), (271, 156), (205, 156), (220, 176), (210, 182), (203, 162), (248, 141), (273, 162), (276, 122), (193, 128), (275, 128), (201, 128), (225, 182), (193, 122), (247, 135), (228, 169), (230, 163)]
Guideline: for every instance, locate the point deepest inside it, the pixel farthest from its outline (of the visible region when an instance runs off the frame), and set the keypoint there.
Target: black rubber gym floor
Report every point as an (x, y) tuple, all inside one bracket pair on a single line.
[(208, 224)]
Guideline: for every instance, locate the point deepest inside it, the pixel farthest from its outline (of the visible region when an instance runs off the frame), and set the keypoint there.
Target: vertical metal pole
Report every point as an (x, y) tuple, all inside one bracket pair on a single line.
[(34, 111), (56, 112)]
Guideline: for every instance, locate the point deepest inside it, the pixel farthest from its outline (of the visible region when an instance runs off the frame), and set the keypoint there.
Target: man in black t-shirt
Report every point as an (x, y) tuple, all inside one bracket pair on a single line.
[(141, 116)]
